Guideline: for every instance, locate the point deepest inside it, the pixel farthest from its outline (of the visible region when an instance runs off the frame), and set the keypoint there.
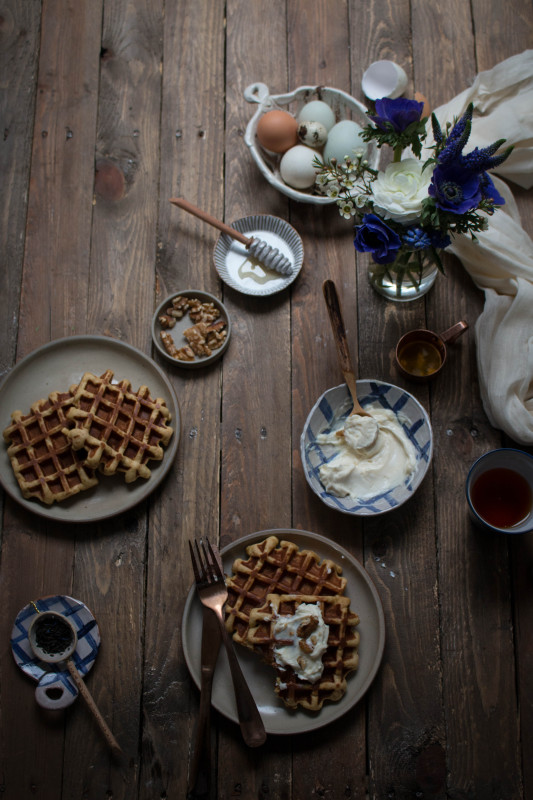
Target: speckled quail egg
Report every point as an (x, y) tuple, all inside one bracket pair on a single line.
[(296, 166), (343, 139), (317, 111), (313, 134)]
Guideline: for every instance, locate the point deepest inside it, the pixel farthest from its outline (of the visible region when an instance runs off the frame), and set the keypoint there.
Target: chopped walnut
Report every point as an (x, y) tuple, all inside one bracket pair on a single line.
[(196, 338), (181, 354), (306, 628), (167, 321), (203, 312), (206, 335)]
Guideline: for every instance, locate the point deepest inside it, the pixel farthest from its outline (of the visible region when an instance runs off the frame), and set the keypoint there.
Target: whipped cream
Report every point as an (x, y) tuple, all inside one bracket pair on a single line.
[(300, 641), (372, 455)]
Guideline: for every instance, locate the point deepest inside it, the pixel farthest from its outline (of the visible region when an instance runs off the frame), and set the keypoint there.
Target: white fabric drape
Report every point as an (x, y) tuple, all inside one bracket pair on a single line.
[(501, 260)]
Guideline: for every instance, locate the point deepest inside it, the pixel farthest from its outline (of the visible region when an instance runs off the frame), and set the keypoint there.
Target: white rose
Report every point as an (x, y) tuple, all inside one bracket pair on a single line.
[(399, 191)]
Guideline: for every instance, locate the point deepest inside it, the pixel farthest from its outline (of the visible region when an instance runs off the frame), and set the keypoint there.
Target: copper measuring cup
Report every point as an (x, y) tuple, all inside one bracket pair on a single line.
[(421, 354)]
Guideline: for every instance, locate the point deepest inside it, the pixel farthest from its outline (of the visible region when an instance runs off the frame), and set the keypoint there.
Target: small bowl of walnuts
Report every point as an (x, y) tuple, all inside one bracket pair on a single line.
[(191, 328)]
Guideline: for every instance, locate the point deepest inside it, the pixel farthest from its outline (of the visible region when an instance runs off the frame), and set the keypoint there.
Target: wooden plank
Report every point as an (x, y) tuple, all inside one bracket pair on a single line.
[(56, 251), (497, 37), (319, 47), (256, 445), (192, 164), (110, 567), (473, 580), (19, 52), (406, 742)]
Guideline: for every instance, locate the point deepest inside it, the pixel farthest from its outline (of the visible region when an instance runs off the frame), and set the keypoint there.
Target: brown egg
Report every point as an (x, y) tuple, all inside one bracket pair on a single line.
[(277, 131), (426, 111)]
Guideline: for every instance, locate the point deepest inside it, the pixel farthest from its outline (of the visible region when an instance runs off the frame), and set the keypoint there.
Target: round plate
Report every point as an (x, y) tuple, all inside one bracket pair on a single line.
[(244, 273), (84, 655), (57, 366), (277, 718), (328, 413), (185, 322)]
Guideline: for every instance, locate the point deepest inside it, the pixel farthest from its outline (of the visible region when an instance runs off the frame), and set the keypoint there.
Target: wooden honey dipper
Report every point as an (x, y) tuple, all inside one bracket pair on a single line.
[(268, 256)]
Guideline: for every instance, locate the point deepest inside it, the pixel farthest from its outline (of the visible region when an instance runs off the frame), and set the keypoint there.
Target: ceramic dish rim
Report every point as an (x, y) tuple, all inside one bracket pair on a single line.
[(476, 515), (138, 493), (302, 721), (199, 362), (245, 225), (330, 500), (267, 101)]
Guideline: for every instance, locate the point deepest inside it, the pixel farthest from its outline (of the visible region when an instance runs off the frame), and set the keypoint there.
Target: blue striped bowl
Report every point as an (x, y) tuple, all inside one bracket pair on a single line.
[(329, 412)]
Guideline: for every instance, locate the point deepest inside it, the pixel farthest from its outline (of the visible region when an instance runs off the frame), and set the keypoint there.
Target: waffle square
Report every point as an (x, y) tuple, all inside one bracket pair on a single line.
[(340, 658), (43, 462), (275, 567), (119, 429)]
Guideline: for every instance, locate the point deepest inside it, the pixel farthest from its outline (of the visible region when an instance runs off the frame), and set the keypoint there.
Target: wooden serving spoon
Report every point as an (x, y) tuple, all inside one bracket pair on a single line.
[(343, 351)]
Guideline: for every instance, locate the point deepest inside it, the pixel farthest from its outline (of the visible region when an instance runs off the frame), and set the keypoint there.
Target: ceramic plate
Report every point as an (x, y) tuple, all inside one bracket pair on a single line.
[(176, 333), (328, 413), (58, 365), (55, 687), (365, 601), (244, 273)]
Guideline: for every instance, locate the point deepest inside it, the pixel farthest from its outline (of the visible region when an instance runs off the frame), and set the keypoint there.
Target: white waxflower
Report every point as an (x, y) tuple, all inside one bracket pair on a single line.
[(333, 190), (346, 209), (322, 179), (399, 191)]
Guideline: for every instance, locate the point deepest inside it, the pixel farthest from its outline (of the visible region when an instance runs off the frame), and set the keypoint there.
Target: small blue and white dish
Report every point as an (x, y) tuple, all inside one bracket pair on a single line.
[(55, 688), (328, 414)]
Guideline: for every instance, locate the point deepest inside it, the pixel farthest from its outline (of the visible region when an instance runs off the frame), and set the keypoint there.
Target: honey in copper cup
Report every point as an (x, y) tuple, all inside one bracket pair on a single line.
[(421, 354)]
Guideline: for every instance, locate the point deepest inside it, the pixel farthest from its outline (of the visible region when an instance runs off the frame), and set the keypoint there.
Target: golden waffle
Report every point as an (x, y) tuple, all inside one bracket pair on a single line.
[(120, 430), (44, 464), (275, 567), (339, 659)]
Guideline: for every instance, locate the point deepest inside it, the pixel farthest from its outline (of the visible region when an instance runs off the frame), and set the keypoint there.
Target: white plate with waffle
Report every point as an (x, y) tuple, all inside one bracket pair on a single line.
[(278, 719), (54, 368)]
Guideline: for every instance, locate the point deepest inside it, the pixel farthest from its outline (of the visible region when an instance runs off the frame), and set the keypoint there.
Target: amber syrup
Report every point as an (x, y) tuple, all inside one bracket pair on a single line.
[(502, 497)]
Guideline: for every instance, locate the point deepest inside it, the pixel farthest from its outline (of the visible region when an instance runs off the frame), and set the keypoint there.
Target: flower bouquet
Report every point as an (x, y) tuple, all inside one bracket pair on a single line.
[(406, 214)]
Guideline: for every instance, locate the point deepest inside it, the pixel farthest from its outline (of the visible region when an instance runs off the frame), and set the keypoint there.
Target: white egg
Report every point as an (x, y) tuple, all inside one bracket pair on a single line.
[(312, 134), (296, 166), (317, 111), (343, 139)]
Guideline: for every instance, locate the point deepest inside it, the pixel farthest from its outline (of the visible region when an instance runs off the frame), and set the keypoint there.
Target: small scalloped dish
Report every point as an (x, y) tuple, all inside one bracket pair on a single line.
[(344, 107)]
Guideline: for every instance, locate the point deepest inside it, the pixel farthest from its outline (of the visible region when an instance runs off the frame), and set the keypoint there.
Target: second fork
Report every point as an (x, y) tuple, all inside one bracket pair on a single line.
[(212, 591)]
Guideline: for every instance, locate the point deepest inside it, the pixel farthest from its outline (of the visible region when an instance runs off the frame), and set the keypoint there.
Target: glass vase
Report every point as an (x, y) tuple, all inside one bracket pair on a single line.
[(409, 277)]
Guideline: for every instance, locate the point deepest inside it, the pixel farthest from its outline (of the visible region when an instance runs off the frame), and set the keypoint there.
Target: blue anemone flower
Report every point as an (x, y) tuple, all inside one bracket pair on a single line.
[(398, 113), (374, 237), (455, 190)]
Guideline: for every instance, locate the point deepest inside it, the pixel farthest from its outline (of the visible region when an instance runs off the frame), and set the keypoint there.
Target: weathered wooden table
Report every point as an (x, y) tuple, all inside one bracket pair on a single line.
[(110, 107)]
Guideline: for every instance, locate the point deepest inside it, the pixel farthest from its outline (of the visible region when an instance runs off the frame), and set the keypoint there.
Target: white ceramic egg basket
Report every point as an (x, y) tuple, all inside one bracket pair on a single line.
[(344, 107)]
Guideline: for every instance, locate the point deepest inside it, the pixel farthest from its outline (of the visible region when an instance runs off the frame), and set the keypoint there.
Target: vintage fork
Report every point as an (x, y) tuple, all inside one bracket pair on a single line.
[(213, 593)]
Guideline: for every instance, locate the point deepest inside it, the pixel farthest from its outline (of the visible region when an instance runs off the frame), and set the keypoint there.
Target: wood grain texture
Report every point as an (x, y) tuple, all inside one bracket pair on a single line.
[(109, 108)]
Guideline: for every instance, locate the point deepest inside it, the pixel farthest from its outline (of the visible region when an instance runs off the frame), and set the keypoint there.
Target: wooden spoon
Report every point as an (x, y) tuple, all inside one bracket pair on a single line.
[(65, 657), (343, 352)]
